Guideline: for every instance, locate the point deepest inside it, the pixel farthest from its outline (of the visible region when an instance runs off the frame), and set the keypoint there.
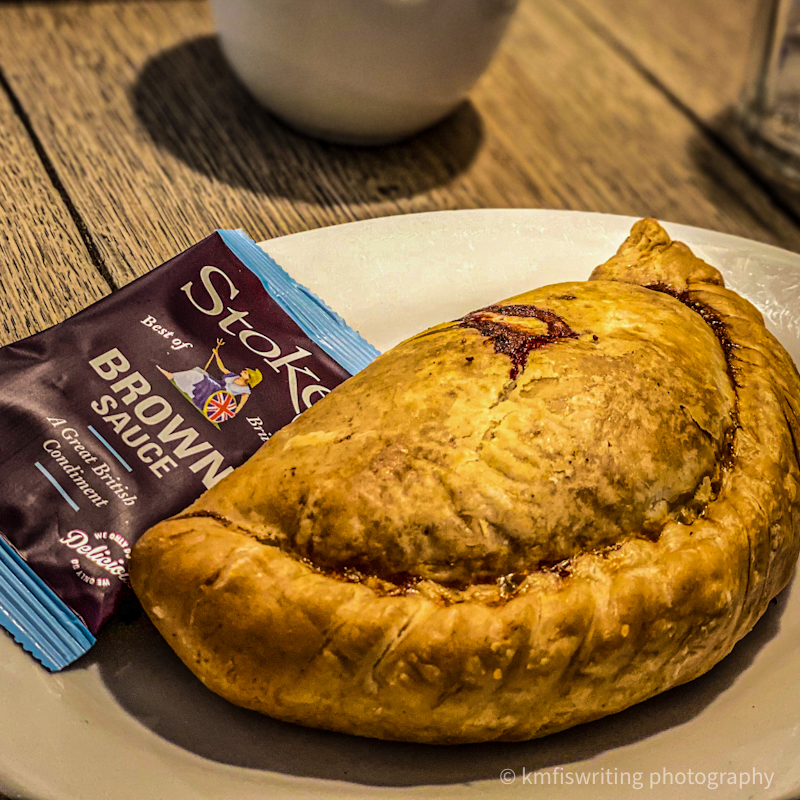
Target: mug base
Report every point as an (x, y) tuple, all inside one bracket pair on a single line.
[(349, 138)]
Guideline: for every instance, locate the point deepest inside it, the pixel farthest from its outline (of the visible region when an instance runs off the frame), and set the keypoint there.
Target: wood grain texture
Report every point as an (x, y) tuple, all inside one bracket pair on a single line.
[(597, 132), (157, 144), (46, 273), (698, 54), (697, 50)]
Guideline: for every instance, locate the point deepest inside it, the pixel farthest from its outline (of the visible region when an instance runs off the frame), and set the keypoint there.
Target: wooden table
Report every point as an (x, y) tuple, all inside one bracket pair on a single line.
[(125, 138)]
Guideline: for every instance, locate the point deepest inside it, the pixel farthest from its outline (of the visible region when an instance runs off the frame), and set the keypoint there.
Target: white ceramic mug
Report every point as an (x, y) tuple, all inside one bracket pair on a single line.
[(360, 71)]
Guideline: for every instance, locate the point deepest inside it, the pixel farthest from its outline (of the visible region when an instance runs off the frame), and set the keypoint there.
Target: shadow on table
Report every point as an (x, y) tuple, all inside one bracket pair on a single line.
[(732, 189), (192, 105), (150, 683)]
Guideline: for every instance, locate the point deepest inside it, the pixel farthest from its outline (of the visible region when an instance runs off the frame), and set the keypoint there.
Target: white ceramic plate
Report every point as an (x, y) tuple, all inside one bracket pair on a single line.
[(129, 721)]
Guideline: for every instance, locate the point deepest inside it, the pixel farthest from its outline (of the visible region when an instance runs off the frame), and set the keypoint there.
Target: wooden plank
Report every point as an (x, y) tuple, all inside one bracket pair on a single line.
[(697, 49), (157, 144), (46, 273), (697, 52), (595, 129)]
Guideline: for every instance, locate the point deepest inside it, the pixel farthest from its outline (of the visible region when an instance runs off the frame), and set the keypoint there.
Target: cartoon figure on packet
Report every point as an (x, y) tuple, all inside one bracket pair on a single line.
[(217, 399)]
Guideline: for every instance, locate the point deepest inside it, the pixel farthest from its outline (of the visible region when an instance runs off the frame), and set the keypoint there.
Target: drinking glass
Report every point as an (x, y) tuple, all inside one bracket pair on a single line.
[(770, 103)]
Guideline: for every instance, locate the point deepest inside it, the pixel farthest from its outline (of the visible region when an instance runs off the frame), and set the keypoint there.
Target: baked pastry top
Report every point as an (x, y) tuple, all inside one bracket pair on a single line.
[(537, 515)]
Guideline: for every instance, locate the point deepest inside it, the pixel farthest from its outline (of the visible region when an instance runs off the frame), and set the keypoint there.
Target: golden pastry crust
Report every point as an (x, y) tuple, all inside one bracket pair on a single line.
[(529, 518)]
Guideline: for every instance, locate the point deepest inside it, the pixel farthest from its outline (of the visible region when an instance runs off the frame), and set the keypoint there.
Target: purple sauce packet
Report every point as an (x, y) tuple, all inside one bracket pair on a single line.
[(123, 414)]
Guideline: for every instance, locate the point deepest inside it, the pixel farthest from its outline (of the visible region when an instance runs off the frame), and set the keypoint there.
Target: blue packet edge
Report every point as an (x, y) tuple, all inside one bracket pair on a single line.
[(317, 320), (36, 617)]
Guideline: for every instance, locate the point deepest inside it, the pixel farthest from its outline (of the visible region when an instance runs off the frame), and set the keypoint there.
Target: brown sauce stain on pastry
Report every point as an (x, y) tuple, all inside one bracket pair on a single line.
[(451, 592), (717, 325), (372, 575), (448, 592), (711, 318), (517, 342)]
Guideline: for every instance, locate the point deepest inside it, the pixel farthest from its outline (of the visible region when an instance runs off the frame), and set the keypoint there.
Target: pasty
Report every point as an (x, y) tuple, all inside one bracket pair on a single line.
[(528, 518)]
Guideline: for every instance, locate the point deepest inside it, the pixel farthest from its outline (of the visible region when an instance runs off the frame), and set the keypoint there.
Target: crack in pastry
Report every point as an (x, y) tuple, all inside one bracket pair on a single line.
[(515, 340), (472, 541)]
